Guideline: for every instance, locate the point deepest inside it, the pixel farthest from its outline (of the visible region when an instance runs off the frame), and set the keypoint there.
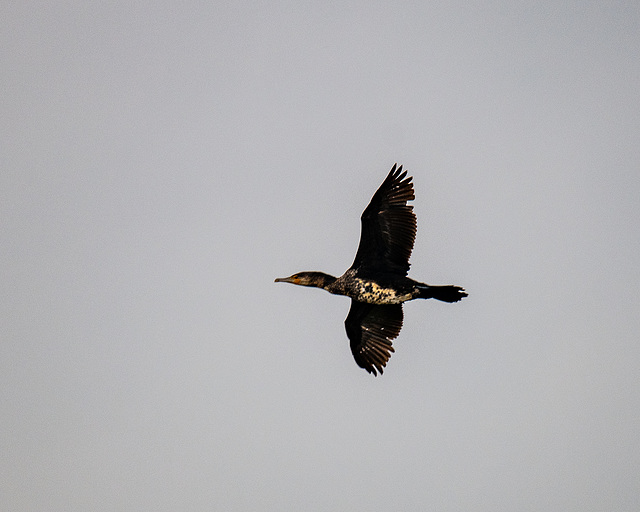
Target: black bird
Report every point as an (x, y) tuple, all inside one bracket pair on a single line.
[(377, 281)]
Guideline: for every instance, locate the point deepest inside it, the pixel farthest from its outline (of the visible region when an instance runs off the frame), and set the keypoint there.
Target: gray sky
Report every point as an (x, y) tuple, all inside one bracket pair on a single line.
[(163, 163)]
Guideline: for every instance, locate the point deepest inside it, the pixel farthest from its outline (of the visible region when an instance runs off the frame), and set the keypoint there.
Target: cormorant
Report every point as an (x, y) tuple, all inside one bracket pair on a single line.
[(377, 281)]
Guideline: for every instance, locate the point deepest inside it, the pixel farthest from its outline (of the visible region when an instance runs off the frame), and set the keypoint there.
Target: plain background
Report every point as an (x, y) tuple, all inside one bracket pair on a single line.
[(162, 163)]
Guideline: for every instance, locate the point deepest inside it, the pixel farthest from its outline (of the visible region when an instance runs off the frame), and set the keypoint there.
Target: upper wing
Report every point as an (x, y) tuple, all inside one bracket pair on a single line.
[(388, 226), (370, 328)]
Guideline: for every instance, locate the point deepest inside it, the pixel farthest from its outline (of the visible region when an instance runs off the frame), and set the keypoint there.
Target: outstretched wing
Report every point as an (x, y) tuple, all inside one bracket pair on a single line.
[(388, 227), (370, 328)]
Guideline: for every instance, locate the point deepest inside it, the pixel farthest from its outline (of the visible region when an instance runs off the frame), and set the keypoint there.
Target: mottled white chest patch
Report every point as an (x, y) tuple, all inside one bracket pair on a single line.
[(373, 293)]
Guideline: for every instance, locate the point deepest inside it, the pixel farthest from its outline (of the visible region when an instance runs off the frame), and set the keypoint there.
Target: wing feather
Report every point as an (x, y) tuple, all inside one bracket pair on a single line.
[(371, 328), (388, 226)]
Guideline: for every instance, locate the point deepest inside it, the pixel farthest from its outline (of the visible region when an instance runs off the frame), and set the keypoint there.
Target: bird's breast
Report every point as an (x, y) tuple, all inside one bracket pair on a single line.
[(364, 290)]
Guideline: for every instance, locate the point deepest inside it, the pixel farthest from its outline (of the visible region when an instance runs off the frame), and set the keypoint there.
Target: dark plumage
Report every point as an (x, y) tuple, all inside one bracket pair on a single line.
[(377, 280)]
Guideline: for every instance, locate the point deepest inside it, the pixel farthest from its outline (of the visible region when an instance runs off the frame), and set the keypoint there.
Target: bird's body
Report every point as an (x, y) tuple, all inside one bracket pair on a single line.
[(374, 289), (377, 282)]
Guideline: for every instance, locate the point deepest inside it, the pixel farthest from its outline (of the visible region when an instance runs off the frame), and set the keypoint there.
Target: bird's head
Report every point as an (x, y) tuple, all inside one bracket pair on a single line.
[(317, 279)]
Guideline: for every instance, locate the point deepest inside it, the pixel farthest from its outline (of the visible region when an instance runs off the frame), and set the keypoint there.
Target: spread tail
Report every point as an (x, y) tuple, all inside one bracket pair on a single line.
[(446, 293)]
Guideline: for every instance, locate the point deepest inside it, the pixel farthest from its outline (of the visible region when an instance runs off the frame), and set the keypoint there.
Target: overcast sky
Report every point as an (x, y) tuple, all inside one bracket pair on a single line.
[(162, 163)]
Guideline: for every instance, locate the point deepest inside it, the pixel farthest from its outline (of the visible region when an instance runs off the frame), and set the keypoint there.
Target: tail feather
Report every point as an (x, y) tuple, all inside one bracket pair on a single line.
[(446, 293)]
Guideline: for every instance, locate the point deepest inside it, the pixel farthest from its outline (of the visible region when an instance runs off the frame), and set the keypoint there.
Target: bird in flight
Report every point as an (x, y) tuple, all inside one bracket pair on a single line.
[(377, 281)]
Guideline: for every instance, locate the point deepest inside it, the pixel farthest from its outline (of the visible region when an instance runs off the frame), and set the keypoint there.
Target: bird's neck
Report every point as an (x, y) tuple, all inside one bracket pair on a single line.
[(322, 280)]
